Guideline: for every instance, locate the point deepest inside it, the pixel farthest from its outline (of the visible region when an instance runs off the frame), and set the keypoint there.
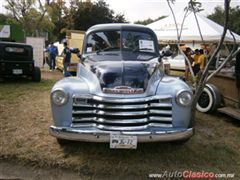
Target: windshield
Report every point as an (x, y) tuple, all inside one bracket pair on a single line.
[(102, 41), (129, 41)]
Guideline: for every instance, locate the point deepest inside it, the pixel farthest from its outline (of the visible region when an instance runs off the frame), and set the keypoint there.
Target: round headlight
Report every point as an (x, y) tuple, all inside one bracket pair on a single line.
[(59, 97), (184, 98)]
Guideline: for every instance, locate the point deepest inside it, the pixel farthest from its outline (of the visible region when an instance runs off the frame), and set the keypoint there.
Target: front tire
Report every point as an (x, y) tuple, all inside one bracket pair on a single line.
[(63, 142), (209, 100), (181, 142)]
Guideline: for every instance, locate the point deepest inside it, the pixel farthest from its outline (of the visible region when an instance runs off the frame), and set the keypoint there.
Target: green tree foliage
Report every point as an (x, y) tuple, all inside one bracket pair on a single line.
[(149, 20), (55, 16), (234, 20), (3, 19), (82, 15), (30, 14), (56, 12)]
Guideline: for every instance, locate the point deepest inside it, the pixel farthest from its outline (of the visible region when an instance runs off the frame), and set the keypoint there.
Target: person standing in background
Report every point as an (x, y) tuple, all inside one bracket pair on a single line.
[(201, 62), (201, 59), (188, 53), (66, 59), (45, 57), (196, 65), (53, 52)]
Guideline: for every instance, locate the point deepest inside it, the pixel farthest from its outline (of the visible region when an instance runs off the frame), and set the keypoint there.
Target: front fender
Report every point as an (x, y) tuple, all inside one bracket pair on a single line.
[(171, 86), (70, 85)]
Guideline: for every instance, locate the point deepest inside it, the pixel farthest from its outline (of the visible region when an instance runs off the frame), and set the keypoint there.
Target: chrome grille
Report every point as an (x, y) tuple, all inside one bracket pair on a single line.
[(121, 114)]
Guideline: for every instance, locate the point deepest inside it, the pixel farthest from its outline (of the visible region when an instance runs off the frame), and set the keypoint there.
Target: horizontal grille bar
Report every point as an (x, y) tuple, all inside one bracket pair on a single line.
[(123, 121), (121, 128), (123, 101), (135, 106), (129, 113)]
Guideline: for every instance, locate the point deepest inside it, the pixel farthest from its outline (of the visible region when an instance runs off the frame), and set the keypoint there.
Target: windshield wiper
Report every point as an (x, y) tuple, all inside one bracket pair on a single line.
[(107, 49), (144, 50)]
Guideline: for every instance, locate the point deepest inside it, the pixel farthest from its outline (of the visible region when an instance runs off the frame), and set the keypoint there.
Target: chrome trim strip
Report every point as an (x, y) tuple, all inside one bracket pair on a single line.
[(122, 121), (122, 100), (82, 105), (83, 125), (159, 118), (161, 125), (79, 120), (121, 128), (134, 106), (104, 136), (84, 112), (104, 113), (130, 113), (151, 111), (117, 121), (159, 105)]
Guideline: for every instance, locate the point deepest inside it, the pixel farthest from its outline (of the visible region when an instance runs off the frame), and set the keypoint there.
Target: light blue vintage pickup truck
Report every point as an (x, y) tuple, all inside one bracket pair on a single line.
[(121, 94)]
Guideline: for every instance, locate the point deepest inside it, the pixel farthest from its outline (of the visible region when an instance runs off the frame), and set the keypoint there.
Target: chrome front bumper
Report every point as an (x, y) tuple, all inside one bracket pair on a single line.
[(104, 136)]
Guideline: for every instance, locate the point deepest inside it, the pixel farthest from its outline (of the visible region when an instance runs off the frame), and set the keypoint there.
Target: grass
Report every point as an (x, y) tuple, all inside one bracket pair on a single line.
[(24, 138), (14, 88)]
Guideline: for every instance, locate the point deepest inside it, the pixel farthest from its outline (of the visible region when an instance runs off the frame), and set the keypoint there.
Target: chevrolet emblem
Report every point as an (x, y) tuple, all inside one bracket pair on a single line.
[(123, 90)]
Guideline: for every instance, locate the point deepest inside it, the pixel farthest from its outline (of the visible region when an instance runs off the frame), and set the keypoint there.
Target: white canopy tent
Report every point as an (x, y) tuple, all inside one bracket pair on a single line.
[(165, 30)]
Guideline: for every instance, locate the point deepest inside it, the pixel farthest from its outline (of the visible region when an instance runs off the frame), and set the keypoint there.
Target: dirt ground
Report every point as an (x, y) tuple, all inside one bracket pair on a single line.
[(13, 170), (10, 169), (27, 150)]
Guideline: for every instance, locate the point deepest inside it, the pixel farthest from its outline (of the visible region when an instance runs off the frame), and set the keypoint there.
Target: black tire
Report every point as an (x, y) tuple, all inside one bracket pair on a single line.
[(209, 100), (63, 142), (36, 76), (181, 142)]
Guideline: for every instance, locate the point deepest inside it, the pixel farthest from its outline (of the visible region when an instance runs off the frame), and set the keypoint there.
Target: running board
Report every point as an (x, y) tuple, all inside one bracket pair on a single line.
[(233, 112)]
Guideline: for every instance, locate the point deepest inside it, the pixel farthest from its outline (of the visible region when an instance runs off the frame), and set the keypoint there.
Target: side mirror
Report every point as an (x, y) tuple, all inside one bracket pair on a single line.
[(76, 51)]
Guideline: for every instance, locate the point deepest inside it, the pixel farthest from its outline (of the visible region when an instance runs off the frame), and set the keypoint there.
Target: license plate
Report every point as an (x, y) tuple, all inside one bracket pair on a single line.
[(17, 71), (118, 141)]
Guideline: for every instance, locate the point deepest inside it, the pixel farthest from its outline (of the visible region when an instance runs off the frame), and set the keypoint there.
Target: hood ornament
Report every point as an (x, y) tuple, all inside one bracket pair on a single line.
[(123, 90)]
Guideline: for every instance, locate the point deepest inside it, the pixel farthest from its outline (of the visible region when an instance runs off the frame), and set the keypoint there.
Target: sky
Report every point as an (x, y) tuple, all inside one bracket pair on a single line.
[(143, 9), (135, 10)]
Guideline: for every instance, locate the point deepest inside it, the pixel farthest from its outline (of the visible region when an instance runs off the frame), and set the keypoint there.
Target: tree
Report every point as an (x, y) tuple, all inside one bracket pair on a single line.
[(149, 20), (30, 14), (3, 19), (56, 11), (205, 77), (54, 17), (234, 13), (82, 15)]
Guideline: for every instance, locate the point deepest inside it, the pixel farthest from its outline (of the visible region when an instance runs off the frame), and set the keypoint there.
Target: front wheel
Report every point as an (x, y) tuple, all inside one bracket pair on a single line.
[(209, 100)]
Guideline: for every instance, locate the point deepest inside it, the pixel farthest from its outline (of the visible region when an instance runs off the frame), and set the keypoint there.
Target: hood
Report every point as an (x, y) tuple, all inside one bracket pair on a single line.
[(126, 74)]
